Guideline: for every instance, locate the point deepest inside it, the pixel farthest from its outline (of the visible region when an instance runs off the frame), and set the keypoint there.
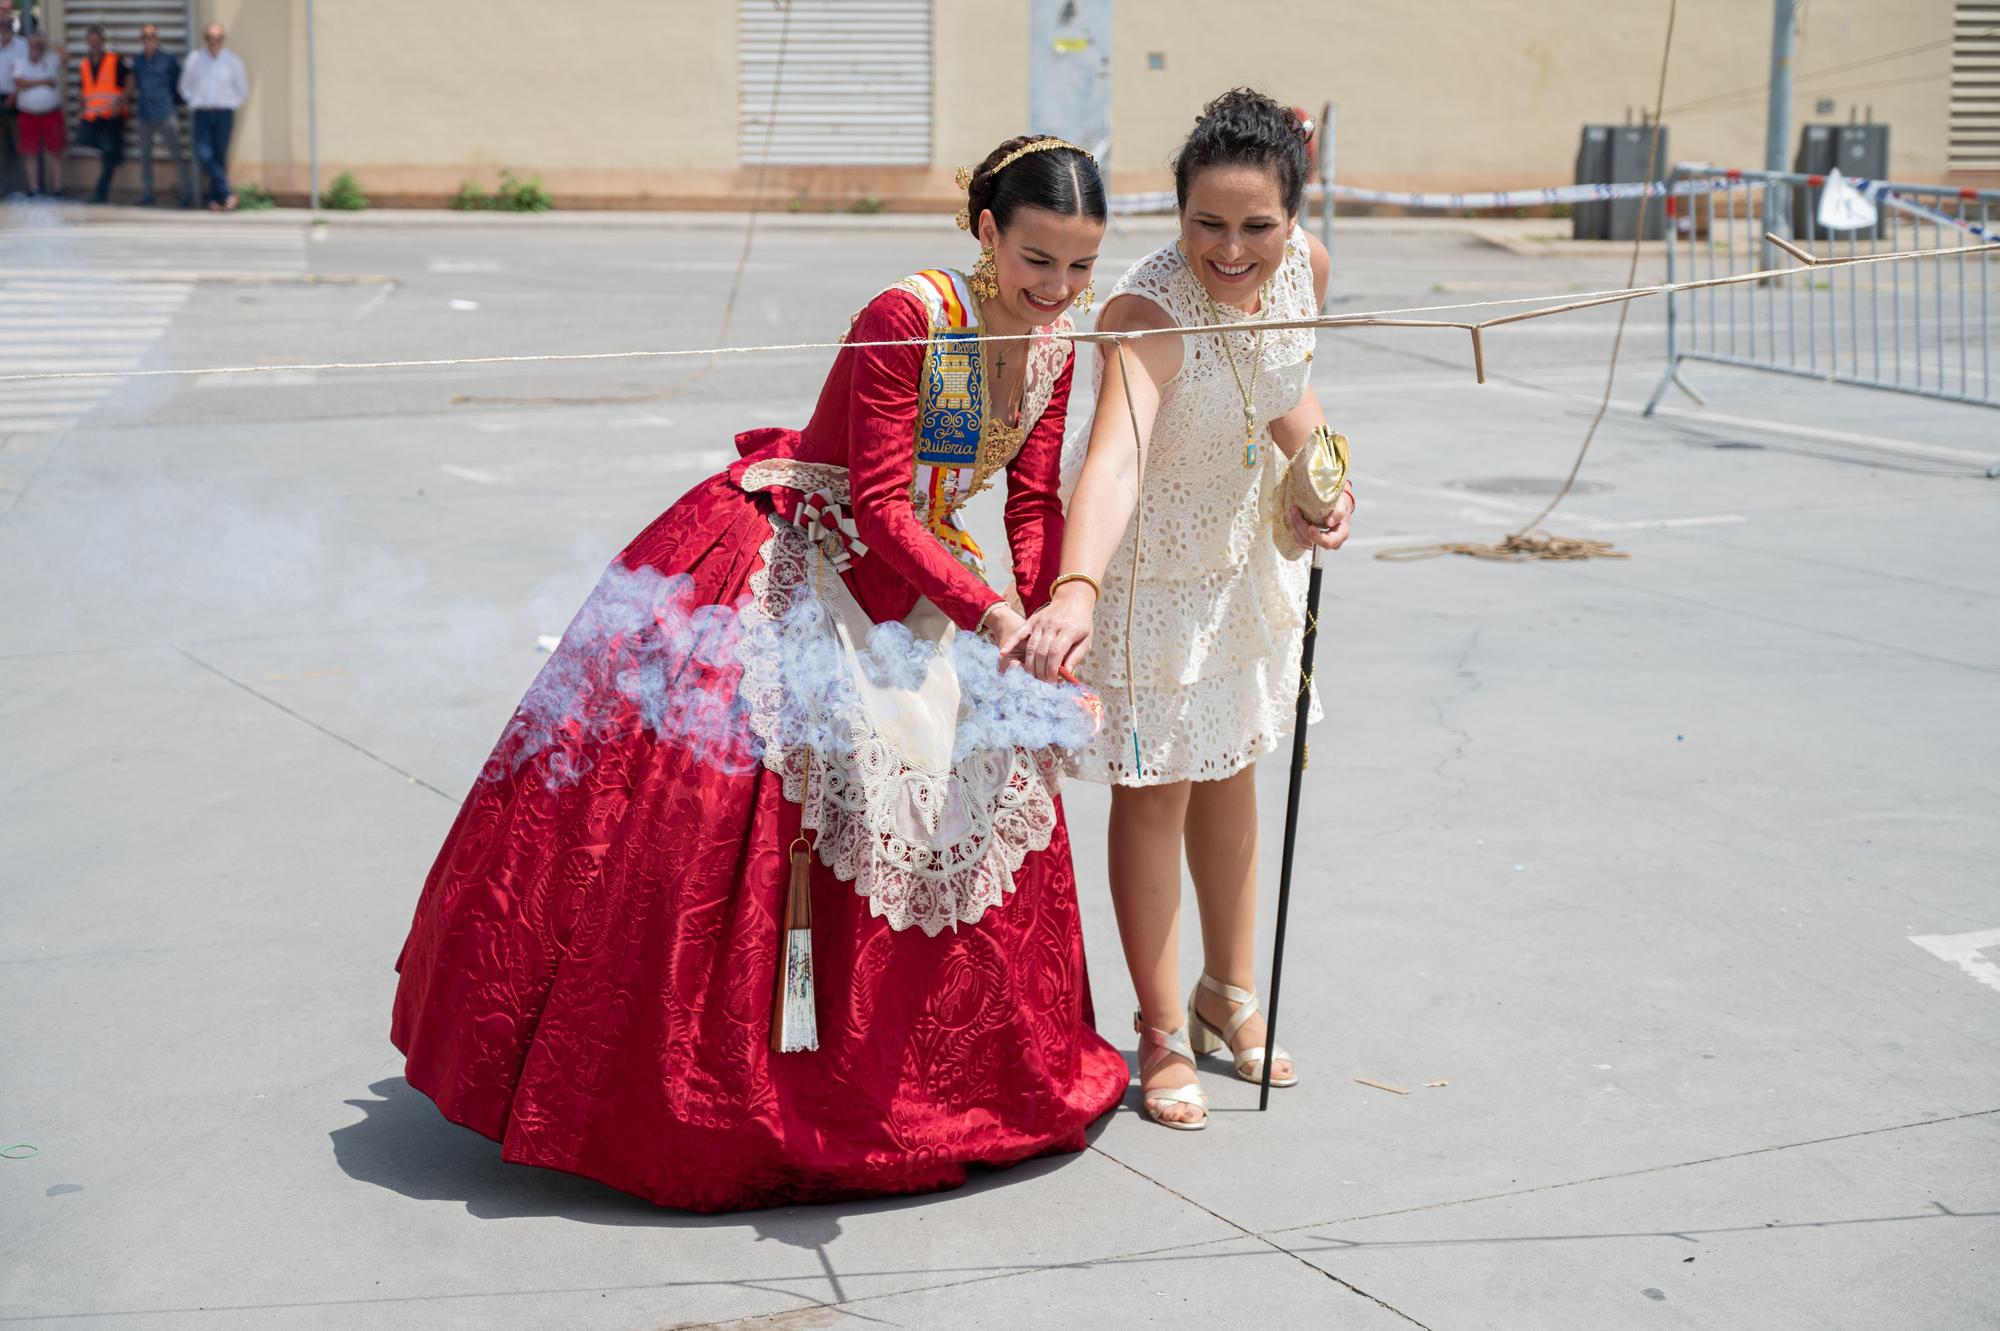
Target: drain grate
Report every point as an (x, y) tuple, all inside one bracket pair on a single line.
[(1526, 485)]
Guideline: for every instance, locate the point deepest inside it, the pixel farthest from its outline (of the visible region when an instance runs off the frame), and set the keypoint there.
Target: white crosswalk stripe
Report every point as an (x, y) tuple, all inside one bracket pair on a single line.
[(66, 324), (87, 298)]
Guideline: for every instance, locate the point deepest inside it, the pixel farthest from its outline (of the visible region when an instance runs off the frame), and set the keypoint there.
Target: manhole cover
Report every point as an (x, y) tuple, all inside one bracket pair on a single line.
[(1527, 485)]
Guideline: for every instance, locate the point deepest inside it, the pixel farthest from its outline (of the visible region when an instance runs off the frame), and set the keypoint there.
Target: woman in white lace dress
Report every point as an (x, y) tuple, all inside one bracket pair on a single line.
[(1216, 613)]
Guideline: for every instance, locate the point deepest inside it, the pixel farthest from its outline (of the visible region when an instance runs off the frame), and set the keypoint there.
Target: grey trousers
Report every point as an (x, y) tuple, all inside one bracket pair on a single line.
[(184, 170)]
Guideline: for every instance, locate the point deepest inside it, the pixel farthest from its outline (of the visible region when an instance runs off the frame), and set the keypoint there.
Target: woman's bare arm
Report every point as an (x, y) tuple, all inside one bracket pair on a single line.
[(1107, 491)]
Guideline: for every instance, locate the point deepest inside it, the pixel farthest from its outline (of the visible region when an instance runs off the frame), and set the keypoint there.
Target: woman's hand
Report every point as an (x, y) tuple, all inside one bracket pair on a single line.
[(1056, 637), (1003, 624), (1330, 537)]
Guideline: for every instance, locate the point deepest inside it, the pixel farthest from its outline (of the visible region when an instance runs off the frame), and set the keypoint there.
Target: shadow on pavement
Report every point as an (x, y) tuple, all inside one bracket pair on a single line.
[(404, 1144)]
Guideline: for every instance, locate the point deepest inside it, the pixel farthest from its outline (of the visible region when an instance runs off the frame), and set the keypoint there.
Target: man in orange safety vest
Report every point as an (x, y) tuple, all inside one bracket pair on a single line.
[(104, 78)]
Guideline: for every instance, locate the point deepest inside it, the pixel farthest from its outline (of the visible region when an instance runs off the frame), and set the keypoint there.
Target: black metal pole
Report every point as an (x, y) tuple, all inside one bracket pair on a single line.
[(1291, 826)]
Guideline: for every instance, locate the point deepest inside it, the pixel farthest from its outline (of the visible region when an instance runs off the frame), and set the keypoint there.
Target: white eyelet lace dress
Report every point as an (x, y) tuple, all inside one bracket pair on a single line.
[(1219, 613)]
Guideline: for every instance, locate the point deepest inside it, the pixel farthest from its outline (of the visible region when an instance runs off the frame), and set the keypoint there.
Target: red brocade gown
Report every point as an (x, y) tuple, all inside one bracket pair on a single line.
[(590, 976)]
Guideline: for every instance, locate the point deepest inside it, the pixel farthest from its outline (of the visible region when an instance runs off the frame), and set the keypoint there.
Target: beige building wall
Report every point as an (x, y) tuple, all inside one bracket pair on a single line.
[(1487, 94), (630, 102), (980, 84), (1518, 91), (602, 98), (634, 102)]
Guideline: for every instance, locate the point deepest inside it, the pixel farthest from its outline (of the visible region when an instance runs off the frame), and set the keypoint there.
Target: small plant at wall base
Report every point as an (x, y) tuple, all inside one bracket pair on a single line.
[(345, 195), (254, 198), (514, 196), (521, 196)]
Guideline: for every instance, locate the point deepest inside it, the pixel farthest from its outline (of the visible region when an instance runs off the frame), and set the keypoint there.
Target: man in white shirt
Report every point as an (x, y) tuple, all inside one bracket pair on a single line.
[(38, 98), (214, 84)]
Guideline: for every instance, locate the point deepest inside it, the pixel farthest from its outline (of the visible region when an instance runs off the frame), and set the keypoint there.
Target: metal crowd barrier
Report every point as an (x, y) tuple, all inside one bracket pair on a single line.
[(1923, 326)]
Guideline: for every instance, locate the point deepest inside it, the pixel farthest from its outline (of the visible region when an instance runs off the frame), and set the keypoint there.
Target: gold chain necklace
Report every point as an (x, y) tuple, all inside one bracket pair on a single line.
[(1249, 395), (999, 438)]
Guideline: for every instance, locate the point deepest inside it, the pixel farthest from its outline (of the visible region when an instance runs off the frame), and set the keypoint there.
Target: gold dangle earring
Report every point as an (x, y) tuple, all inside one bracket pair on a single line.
[(1087, 299), (985, 277)]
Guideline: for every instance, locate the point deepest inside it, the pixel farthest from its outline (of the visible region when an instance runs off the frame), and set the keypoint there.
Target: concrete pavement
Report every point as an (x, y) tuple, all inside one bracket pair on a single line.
[(1628, 854)]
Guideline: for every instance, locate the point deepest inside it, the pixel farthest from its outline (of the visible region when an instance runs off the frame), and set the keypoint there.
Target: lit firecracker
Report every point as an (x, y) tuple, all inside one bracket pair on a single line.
[(1086, 698)]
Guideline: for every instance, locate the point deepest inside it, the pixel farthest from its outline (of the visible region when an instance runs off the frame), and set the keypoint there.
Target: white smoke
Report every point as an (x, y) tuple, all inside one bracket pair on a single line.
[(642, 653)]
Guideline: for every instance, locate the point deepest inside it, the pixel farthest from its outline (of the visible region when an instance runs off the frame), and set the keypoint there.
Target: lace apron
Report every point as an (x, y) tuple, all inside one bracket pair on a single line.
[(930, 831)]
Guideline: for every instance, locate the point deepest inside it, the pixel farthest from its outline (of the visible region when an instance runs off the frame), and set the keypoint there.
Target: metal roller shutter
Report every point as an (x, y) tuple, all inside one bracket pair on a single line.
[(855, 88), (1975, 88)]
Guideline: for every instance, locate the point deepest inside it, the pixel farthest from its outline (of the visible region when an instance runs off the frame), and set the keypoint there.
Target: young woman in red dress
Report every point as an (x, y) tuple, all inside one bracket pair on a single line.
[(765, 894)]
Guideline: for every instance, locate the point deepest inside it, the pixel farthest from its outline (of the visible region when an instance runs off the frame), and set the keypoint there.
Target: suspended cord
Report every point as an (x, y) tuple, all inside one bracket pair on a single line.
[(1374, 318), (1527, 543), (1761, 90), (1138, 532)]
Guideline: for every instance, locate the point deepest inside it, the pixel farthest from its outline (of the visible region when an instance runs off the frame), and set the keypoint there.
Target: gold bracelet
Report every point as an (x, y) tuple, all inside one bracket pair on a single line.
[(1096, 589)]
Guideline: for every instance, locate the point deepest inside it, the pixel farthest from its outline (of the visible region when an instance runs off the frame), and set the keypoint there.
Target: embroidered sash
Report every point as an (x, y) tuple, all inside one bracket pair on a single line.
[(951, 411), (958, 448)]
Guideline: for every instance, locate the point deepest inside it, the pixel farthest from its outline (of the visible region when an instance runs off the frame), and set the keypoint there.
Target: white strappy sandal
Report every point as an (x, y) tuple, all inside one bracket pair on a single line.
[(1156, 1045), (1208, 1039)]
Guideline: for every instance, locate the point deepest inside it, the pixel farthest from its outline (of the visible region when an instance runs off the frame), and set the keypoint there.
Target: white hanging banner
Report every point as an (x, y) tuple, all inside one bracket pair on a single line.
[(1843, 207)]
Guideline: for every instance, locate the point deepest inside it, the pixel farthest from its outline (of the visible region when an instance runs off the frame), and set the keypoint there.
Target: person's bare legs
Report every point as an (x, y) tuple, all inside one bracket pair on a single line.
[(1222, 857), (1145, 854)]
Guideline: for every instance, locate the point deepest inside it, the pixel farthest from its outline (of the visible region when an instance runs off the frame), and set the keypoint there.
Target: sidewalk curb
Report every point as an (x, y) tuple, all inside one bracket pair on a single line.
[(1561, 247), (1514, 235), (45, 215)]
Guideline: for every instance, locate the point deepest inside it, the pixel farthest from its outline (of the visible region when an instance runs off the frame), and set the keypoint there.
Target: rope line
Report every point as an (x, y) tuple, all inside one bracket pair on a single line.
[(1512, 548), (1529, 542), (1618, 337), (1384, 318), (1138, 535)]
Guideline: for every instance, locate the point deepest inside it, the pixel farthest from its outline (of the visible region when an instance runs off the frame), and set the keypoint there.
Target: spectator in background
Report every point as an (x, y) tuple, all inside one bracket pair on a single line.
[(38, 98), (214, 84), (102, 77), (156, 81), (11, 48)]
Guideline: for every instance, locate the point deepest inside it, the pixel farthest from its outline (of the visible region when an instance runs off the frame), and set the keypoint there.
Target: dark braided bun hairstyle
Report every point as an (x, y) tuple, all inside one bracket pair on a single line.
[(1063, 180), (1243, 127)]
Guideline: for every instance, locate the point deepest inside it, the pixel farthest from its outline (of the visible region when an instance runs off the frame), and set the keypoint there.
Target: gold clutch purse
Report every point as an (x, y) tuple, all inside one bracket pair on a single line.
[(1312, 484)]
